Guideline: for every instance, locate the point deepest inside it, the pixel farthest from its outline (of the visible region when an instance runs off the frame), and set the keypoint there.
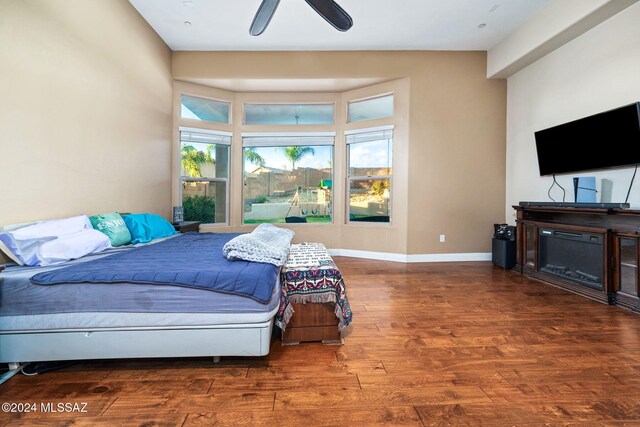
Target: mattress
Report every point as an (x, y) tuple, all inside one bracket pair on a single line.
[(65, 322), (25, 306)]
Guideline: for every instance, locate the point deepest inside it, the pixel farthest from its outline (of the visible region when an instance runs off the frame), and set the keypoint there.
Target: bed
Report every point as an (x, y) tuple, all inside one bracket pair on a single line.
[(73, 321)]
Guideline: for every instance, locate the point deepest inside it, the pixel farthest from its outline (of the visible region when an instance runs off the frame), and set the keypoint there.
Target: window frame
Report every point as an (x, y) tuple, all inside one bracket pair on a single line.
[(349, 178), (226, 180), (332, 135)]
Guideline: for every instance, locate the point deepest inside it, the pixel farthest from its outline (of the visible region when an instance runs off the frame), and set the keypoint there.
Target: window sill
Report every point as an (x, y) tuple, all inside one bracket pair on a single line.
[(369, 224)]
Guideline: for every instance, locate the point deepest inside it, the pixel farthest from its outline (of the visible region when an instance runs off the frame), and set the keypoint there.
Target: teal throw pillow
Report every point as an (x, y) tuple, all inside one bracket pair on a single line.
[(145, 227), (113, 226)]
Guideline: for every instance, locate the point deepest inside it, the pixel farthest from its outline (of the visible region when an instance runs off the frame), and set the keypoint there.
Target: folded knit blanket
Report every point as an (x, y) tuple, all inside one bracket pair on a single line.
[(267, 243)]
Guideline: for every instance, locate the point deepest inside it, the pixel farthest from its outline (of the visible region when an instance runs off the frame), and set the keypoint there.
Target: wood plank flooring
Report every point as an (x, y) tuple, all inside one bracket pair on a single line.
[(463, 344)]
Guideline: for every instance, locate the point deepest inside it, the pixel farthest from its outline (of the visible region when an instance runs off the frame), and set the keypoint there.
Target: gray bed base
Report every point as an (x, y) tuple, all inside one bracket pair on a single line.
[(122, 343)]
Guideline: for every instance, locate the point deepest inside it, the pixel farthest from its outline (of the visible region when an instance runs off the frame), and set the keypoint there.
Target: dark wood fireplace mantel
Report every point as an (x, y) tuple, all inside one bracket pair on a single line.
[(618, 230)]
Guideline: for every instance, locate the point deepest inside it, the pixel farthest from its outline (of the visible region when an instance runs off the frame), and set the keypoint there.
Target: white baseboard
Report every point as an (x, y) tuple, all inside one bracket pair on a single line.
[(382, 256), (407, 258)]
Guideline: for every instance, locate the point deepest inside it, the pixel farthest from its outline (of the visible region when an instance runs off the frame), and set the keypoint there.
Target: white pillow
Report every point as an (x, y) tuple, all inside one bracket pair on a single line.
[(9, 253), (4, 248), (72, 246), (23, 244), (54, 227)]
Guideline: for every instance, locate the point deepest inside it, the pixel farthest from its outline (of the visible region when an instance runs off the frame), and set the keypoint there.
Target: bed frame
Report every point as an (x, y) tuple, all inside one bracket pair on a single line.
[(122, 343)]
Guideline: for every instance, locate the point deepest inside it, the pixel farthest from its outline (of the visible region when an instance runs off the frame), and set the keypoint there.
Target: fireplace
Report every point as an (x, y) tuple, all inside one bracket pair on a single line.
[(590, 251), (573, 256)]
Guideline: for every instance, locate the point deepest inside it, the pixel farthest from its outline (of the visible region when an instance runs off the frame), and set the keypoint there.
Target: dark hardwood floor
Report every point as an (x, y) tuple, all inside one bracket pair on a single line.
[(430, 345)]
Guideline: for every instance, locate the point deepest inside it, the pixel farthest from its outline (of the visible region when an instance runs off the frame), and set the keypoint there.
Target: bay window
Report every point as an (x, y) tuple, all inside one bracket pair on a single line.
[(289, 114), (204, 109), (369, 173), (204, 165), (378, 107), (288, 177)]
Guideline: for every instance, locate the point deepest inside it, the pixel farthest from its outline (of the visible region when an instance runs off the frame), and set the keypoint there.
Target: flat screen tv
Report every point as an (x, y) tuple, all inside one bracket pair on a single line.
[(602, 141)]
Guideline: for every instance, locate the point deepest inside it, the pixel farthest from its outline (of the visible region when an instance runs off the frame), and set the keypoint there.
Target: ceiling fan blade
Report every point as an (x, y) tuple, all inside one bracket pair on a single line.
[(333, 13), (263, 16)]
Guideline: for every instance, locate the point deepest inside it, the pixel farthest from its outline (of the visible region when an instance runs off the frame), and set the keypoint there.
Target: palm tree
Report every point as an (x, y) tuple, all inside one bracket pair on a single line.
[(252, 155), (193, 159), (296, 152)]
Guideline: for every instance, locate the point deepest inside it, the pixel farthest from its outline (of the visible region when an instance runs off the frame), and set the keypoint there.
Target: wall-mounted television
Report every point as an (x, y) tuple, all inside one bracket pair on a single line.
[(602, 141)]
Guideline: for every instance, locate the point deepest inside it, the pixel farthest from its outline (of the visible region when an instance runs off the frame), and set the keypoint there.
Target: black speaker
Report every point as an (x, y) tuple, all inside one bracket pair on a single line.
[(504, 232), (503, 253)]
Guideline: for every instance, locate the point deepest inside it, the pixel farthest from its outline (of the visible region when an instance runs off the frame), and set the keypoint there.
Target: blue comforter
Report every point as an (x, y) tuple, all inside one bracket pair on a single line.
[(192, 260)]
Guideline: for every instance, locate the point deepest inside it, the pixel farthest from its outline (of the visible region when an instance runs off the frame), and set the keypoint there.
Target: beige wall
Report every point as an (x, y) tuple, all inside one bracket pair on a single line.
[(85, 110), (596, 72), (457, 157), (449, 141)]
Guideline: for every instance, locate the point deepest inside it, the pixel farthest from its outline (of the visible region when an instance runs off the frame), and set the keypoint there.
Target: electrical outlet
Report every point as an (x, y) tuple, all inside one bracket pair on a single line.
[(442, 238)]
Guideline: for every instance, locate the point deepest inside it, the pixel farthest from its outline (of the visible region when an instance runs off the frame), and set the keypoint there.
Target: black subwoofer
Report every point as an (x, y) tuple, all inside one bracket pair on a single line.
[(503, 253)]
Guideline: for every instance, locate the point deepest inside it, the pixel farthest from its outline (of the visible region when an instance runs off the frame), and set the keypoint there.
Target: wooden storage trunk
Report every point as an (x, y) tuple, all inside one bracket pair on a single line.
[(312, 322)]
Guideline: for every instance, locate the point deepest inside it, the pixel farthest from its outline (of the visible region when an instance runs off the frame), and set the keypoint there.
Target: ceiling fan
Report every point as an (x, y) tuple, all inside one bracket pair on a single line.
[(328, 9)]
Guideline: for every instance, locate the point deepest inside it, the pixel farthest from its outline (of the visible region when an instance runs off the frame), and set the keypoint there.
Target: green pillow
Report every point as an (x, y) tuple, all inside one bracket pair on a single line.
[(113, 226)]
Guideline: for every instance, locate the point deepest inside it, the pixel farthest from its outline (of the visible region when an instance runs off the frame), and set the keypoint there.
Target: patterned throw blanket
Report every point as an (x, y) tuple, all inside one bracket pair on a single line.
[(267, 243), (311, 276)]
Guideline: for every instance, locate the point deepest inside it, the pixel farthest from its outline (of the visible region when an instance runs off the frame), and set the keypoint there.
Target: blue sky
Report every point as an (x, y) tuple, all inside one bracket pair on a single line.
[(275, 158), (376, 154)]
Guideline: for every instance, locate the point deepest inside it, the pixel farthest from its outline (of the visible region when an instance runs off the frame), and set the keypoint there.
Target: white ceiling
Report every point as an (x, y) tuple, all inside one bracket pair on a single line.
[(378, 24)]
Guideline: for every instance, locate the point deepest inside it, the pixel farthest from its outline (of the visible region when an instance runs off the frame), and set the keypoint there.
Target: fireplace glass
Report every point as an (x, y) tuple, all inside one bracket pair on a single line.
[(572, 256), (628, 266), (530, 242)]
